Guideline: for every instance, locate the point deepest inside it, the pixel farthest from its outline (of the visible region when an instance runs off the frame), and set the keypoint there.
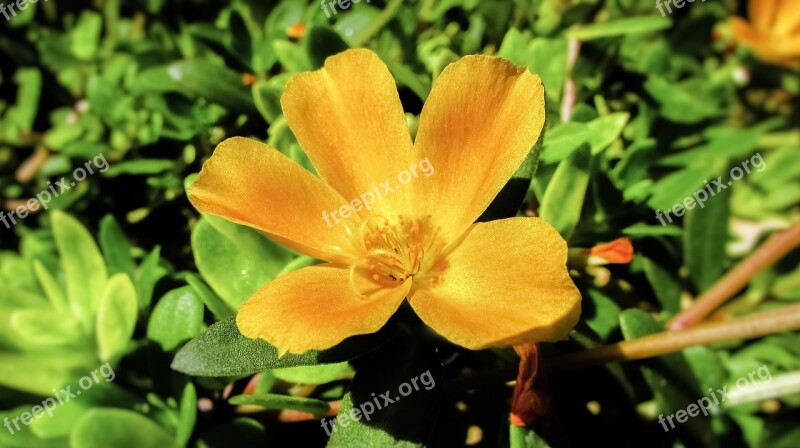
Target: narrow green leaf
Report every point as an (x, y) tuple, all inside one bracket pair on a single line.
[(188, 415), (83, 265), (218, 308), (51, 287), (115, 247), (704, 238), (116, 318), (563, 199), (620, 27), (313, 374), (276, 401), (201, 77)]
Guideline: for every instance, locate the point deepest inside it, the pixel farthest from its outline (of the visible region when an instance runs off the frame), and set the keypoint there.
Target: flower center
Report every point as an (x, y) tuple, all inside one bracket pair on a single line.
[(396, 251)]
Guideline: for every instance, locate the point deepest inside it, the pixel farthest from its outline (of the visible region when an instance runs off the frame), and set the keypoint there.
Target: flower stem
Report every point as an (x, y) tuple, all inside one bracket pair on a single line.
[(771, 251), (748, 327)]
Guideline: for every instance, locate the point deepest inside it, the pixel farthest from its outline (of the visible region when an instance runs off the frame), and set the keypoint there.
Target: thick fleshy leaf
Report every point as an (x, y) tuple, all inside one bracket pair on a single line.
[(524, 295), (235, 260), (116, 318), (277, 401), (104, 427), (325, 304), (479, 123), (176, 318), (83, 265)]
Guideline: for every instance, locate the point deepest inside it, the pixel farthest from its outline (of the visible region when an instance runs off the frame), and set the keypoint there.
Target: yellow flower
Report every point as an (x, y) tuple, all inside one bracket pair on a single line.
[(479, 285), (773, 32)]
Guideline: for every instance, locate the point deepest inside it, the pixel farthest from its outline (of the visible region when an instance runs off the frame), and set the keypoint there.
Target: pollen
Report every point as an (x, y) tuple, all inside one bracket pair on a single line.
[(396, 251)]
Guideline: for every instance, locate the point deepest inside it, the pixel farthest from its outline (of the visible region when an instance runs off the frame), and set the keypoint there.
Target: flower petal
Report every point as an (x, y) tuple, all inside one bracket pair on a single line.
[(506, 283), (787, 20), (348, 118), (316, 308), (763, 13), (783, 51), (479, 123), (250, 183)]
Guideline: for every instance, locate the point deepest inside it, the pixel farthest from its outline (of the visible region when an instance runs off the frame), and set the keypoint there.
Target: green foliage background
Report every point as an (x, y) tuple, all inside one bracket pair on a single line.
[(121, 269)]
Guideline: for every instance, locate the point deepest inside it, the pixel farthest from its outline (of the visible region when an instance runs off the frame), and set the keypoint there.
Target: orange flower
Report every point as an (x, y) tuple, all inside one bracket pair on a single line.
[(479, 285), (619, 251), (773, 32)]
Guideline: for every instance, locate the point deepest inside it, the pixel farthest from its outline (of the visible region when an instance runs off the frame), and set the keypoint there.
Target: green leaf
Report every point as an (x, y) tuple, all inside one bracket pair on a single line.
[(147, 276), (139, 167), (670, 378), (292, 56), (313, 374), (116, 318), (83, 265), (115, 247), (563, 199), (188, 415), (235, 260), (51, 287), (201, 77), (103, 428), (41, 371), (223, 351), (665, 285), (276, 401), (620, 27), (704, 238), (85, 35), (408, 373), (176, 318), (601, 314), (46, 327), (267, 98), (104, 393), (525, 438), (217, 307), (681, 103)]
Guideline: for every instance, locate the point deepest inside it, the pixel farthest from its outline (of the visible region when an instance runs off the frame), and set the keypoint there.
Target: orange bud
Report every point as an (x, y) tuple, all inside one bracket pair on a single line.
[(530, 403), (296, 31), (249, 79), (619, 251)]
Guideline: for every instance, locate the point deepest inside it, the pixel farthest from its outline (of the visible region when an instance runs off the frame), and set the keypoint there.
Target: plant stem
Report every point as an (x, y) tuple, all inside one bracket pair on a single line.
[(776, 387), (776, 246), (748, 327)]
